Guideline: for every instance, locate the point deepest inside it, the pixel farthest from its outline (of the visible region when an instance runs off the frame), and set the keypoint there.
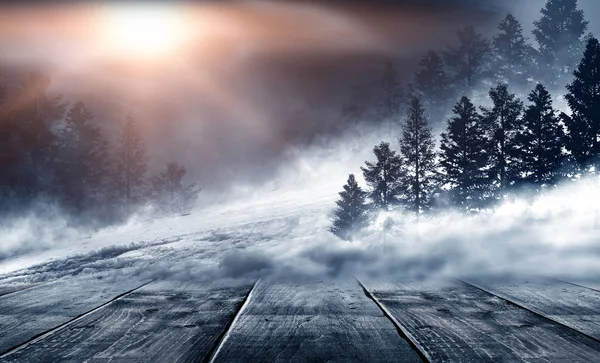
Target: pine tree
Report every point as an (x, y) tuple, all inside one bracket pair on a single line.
[(503, 120), (432, 84), (7, 148), (469, 62), (34, 115), (130, 164), (513, 55), (559, 34), (391, 94), (465, 157), (418, 160), (382, 177), (168, 191), (82, 163), (350, 216), (583, 126), (539, 141)]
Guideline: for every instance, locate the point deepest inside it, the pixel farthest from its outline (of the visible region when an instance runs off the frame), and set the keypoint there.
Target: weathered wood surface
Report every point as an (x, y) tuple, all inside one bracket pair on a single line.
[(575, 306), (454, 322), (9, 289), (27, 313), (162, 322), (312, 322)]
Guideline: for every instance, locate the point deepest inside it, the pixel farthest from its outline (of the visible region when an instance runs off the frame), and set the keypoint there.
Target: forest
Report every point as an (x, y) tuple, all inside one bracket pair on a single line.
[(511, 139), (54, 153)]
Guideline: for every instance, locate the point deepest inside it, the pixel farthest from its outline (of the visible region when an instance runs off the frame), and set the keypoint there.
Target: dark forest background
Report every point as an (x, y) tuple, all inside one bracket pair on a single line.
[(508, 142)]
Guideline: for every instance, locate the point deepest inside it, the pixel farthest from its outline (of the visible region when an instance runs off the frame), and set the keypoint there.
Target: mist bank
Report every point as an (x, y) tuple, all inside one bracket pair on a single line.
[(281, 230)]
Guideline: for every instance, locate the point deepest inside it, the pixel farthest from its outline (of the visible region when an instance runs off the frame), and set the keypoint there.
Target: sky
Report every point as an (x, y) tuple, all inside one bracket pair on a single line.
[(229, 88)]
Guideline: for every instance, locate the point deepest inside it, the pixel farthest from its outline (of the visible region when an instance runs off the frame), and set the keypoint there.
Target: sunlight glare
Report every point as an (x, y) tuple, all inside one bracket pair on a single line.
[(146, 30)]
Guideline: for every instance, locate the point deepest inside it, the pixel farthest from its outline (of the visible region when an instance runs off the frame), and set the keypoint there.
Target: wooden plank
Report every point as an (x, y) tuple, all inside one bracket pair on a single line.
[(30, 312), (452, 322), (9, 289), (575, 306), (301, 322), (162, 322)]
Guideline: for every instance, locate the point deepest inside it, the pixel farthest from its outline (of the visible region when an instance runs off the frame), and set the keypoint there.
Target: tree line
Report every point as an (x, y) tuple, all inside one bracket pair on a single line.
[(485, 154), (476, 61), (54, 151)]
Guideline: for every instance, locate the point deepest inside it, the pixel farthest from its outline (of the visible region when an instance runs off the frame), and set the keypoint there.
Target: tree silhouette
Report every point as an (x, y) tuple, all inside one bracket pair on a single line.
[(513, 55), (350, 216), (168, 191), (131, 164), (559, 34), (418, 160), (82, 162), (390, 101), (503, 120), (33, 116), (465, 157), (432, 84), (539, 142), (382, 177), (469, 62), (583, 125)]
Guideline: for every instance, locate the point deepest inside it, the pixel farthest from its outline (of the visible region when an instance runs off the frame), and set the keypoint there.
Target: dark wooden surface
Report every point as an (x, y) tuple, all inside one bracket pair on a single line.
[(27, 313), (452, 322), (302, 322), (118, 320), (575, 306), (161, 322)]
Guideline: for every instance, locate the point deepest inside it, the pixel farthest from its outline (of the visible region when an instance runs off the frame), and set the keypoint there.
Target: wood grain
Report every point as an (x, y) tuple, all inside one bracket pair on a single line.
[(575, 306), (455, 322), (27, 313), (313, 322), (162, 322), (9, 289)]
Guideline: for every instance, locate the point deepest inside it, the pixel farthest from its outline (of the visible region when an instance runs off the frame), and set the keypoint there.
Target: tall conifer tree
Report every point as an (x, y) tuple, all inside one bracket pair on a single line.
[(469, 62), (583, 126), (383, 178), (513, 55), (539, 141), (131, 163), (351, 214), (82, 163), (503, 120), (418, 160), (560, 37), (432, 84), (465, 157)]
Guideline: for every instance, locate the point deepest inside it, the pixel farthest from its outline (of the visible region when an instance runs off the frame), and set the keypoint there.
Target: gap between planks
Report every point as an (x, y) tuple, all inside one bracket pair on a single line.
[(24, 288), (51, 331), (216, 348), (403, 332), (533, 311)]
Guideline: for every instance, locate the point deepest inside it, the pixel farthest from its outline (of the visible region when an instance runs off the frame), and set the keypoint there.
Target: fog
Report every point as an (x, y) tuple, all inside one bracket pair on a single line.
[(251, 80), (280, 230), (253, 106)]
